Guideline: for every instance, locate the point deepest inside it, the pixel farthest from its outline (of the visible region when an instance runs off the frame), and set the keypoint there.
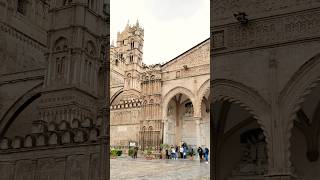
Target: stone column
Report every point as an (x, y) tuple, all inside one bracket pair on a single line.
[(278, 163), (198, 130), (165, 132)]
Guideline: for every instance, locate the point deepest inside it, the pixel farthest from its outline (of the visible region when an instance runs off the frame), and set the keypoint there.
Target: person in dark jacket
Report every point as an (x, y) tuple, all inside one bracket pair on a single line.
[(206, 154), (200, 152)]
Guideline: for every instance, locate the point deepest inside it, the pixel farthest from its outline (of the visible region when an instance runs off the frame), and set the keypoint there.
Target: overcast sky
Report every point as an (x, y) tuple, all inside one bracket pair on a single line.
[(170, 26)]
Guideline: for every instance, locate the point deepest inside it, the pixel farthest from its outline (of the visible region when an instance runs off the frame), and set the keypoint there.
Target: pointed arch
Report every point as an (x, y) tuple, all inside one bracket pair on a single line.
[(301, 84), (171, 94), (18, 106)]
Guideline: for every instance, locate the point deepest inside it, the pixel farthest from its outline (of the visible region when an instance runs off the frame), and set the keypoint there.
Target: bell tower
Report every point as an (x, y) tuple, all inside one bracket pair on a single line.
[(77, 42), (129, 50)]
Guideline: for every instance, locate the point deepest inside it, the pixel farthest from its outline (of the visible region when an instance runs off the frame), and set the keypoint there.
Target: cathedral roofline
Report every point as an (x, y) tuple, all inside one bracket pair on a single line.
[(166, 63)]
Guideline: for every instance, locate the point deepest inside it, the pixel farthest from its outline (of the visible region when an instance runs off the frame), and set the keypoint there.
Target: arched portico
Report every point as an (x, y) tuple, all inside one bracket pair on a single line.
[(300, 107), (179, 115), (240, 114)]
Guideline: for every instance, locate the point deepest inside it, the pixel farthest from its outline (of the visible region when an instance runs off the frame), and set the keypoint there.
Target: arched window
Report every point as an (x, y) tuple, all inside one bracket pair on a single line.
[(116, 62), (60, 67), (89, 72), (22, 7), (131, 58), (60, 44)]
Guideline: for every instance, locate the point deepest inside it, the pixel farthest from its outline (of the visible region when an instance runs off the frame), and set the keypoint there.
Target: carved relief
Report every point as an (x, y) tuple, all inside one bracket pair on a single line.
[(254, 154)]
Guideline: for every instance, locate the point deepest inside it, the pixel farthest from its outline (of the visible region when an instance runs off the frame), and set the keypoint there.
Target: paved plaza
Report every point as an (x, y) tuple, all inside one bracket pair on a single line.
[(127, 168)]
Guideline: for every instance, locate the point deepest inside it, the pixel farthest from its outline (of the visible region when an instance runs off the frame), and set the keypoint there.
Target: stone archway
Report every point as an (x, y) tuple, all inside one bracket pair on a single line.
[(203, 95), (254, 112), (179, 114), (292, 99), (25, 100), (171, 94)]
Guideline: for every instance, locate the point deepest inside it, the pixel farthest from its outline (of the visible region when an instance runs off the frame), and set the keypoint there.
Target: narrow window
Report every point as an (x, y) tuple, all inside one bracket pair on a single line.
[(131, 58), (21, 7)]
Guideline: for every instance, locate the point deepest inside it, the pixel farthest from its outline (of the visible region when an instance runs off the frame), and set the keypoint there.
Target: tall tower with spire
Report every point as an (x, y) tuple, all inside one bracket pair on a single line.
[(77, 43), (129, 52)]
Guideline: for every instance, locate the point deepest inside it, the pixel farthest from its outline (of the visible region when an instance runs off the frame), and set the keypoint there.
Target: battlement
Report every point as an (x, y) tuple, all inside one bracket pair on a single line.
[(52, 134)]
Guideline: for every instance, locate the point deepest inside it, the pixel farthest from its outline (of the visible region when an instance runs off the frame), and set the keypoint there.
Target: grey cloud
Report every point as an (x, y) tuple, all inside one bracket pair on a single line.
[(165, 10)]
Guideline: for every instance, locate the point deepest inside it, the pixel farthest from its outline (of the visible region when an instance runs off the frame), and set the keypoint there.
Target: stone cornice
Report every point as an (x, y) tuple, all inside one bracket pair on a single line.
[(22, 76)]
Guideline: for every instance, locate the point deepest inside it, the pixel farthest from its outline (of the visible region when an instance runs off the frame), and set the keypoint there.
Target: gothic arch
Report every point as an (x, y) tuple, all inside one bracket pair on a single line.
[(204, 88), (115, 95), (60, 43), (246, 97), (293, 95), (171, 94), (91, 48), (17, 107)]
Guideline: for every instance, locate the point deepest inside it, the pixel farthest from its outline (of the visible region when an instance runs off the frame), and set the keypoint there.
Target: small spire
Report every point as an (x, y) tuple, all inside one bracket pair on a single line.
[(137, 23)]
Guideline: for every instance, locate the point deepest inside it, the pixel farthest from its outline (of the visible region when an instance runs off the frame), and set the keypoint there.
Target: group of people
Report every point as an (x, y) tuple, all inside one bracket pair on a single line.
[(177, 152), (204, 153)]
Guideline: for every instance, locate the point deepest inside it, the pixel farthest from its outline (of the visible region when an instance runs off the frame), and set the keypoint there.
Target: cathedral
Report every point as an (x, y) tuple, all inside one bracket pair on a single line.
[(161, 103)]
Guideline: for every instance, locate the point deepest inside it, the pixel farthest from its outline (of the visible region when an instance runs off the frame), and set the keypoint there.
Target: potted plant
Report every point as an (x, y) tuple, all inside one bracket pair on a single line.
[(148, 153), (114, 153)]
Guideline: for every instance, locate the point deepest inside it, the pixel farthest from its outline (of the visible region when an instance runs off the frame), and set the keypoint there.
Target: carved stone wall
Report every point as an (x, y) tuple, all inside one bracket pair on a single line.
[(274, 56), (63, 151)]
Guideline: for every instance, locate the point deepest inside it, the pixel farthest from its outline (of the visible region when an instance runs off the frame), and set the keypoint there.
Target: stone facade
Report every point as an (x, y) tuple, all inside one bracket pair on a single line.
[(161, 103), (264, 78), (54, 61)]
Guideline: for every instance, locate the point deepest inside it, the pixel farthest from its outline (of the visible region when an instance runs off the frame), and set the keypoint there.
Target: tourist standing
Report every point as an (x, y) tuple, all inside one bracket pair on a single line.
[(135, 154), (200, 152), (192, 152), (167, 154), (173, 153), (206, 154), (181, 152), (177, 152), (184, 152)]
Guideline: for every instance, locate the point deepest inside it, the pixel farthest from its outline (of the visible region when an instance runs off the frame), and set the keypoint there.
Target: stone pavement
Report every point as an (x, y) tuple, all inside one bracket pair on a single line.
[(141, 169)]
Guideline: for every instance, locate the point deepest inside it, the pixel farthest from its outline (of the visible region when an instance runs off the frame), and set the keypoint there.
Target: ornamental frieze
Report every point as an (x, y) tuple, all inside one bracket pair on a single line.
[(224, 9), (284, 29)]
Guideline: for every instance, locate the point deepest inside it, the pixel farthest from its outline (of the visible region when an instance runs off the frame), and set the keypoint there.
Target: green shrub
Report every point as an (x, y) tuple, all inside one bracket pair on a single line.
[(148, 151), (115, 152), (119, 152), (164, 146)]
